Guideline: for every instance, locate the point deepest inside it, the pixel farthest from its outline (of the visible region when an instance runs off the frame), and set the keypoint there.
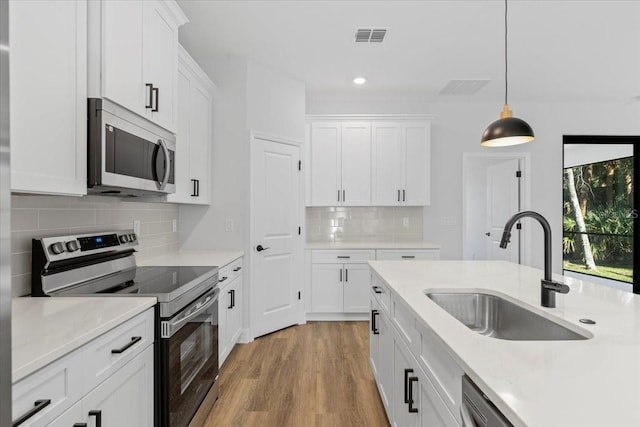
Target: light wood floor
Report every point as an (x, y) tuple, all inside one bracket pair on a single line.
[(316, 374)]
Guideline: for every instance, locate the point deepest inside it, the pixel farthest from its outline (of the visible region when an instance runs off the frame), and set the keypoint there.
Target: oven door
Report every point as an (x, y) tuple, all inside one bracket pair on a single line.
[(189, 359)]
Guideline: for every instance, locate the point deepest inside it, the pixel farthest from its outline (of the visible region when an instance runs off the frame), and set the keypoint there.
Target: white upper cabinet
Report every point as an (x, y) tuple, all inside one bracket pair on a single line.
[(401, 167), (369, 161), (137, 64), (194, 138), (340, 164), (48, 89)]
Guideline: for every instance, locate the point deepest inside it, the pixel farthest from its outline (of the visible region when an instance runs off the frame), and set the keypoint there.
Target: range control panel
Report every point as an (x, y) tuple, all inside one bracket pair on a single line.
[(66, 247)]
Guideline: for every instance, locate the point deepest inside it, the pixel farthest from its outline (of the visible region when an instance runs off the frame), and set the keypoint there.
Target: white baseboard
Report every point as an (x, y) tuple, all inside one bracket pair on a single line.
[(336, 317), (245, 337)]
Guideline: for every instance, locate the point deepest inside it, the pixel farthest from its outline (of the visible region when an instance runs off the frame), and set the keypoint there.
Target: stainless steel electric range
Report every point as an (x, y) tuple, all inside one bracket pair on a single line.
[(186, 345)]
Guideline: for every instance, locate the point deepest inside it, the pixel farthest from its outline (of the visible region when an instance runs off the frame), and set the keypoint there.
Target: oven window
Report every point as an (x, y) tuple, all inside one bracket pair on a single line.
[(195, 350)]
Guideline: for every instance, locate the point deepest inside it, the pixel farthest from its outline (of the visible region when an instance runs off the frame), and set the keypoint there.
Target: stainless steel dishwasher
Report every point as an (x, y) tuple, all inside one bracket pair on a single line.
[(477, 410)]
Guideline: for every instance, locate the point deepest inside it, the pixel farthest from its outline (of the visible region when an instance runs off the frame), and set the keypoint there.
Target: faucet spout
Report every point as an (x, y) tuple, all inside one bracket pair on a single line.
[(548, 286)]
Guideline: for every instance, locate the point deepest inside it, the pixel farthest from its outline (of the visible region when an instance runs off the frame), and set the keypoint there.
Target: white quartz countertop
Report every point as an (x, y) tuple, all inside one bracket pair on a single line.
[(45, 329), (194, 258), (371, 245), (594, 382)]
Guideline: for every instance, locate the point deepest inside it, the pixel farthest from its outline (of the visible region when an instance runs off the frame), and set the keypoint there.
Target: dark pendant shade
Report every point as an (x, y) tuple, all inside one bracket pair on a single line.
[(507, 131)]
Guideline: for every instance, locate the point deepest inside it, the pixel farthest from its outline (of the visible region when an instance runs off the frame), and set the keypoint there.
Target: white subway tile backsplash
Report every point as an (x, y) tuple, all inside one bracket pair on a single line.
[(35, 216), (362, 224)]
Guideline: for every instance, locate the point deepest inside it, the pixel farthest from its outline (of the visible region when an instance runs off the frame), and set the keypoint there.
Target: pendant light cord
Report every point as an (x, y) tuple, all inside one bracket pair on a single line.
[(506, 64)]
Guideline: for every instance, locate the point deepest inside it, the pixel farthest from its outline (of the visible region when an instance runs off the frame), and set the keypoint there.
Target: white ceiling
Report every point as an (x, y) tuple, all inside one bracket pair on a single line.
[(558, 50)]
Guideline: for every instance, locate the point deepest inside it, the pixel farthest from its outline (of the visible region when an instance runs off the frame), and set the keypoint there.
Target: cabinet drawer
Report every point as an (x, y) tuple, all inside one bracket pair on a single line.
[(344, 257), (230, 271), (108, 353), (382, 293), (59, 382), (407, 255), (444, 372), (405, 323)]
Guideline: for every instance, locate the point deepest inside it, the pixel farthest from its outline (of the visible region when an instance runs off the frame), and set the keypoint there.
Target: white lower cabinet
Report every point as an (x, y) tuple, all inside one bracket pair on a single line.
[(73, 390), (340, 281), (229, 308), (418, 382), (124, 399)]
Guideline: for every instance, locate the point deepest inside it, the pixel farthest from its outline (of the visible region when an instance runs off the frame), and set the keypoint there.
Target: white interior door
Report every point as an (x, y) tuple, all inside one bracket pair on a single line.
[(503, 201), (277, 273)]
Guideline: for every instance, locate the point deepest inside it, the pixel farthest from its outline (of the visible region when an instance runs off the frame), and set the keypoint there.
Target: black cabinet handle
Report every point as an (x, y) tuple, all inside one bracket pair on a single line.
[(223, 279), (157, 92), (344, 256), (374, 327), (38, 406), (230, 299), (410, 402), (150, 104), (404, 199), (406, 384), (126, 346), (341, 275), (233, 298), (197, 187), (194, 193), (259, 248), (408, 256), (237, 269), (338, 195), (398, 195), (80, 425), (98, 414), (344, 197), (376, 289), (346, 274)]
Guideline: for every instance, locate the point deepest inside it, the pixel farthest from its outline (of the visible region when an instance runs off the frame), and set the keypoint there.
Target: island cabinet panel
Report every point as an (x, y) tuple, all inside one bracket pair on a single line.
[(418, 381)]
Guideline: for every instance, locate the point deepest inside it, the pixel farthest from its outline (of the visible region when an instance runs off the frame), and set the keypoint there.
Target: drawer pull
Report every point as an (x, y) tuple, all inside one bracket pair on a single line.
[(39, 405), (344, 256), (408, 256), (223, 279), (126, 346), (374, 327), (406, 384), (80, 425), (377, 289), (98, 414), (411, 401), (237, 269)]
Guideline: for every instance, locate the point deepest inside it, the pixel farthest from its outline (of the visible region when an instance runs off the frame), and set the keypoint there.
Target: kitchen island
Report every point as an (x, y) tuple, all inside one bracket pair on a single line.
[(593, 382)]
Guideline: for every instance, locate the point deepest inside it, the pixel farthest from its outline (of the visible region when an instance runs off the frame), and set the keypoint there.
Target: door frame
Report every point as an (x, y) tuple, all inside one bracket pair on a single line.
[(254, 136), (468, 158)]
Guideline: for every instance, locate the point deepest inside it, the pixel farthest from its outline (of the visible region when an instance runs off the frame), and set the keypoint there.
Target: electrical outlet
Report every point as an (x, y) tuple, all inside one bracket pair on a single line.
[(228, 225), (136, 227), (174, 225), (405, 221)]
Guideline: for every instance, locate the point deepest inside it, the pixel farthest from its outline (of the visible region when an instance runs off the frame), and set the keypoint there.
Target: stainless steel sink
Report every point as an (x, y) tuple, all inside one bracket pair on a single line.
[(497, 317)]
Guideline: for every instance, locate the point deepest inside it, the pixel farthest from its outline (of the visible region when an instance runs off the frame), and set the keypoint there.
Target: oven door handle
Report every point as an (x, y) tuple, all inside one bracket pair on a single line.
[(170, 327)]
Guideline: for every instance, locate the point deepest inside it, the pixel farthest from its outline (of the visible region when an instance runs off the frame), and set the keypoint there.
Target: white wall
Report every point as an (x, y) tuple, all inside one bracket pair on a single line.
[(457, 128)]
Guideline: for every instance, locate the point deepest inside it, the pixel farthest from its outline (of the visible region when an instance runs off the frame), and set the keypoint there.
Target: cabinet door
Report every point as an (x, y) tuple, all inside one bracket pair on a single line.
[(356, 286), (122, 74), (48, 96), (325, 164), (403, 369), (416, 158), (184, 185), (326, 288), (224, 301), (200, 142), (385, 358), (125, 399), (356, 164), (433, 411), (385, 177), (234, 312), (374, 339), (160, 62)]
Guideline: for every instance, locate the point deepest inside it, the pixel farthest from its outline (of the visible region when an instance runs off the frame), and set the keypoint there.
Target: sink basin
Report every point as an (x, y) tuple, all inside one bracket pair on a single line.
[(496, 317)]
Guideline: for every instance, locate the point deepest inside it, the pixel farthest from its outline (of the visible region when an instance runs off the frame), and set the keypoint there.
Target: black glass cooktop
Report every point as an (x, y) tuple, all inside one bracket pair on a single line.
[(160, 281)]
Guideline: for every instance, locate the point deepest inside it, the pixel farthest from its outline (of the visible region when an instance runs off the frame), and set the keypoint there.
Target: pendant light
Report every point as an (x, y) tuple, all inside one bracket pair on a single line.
[(507, 130)]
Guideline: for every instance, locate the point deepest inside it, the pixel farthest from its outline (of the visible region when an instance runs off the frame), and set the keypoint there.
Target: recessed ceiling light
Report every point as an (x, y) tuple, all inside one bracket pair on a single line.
[(359, 80)]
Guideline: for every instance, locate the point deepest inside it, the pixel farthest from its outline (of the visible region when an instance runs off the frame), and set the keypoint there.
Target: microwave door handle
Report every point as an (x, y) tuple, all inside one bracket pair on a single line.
[(167, 164)]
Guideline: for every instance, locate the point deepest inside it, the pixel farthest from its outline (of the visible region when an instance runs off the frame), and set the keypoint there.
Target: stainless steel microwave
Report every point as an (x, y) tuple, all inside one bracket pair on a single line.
[(127, 154)]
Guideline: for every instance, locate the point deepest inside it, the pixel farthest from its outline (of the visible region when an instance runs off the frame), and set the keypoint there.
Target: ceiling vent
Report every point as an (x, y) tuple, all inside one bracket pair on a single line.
[(369, 35), (463, 87)]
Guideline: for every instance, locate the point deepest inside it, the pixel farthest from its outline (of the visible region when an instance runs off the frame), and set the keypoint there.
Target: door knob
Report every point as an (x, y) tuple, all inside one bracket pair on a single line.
[(259, 248), (487, 234)]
